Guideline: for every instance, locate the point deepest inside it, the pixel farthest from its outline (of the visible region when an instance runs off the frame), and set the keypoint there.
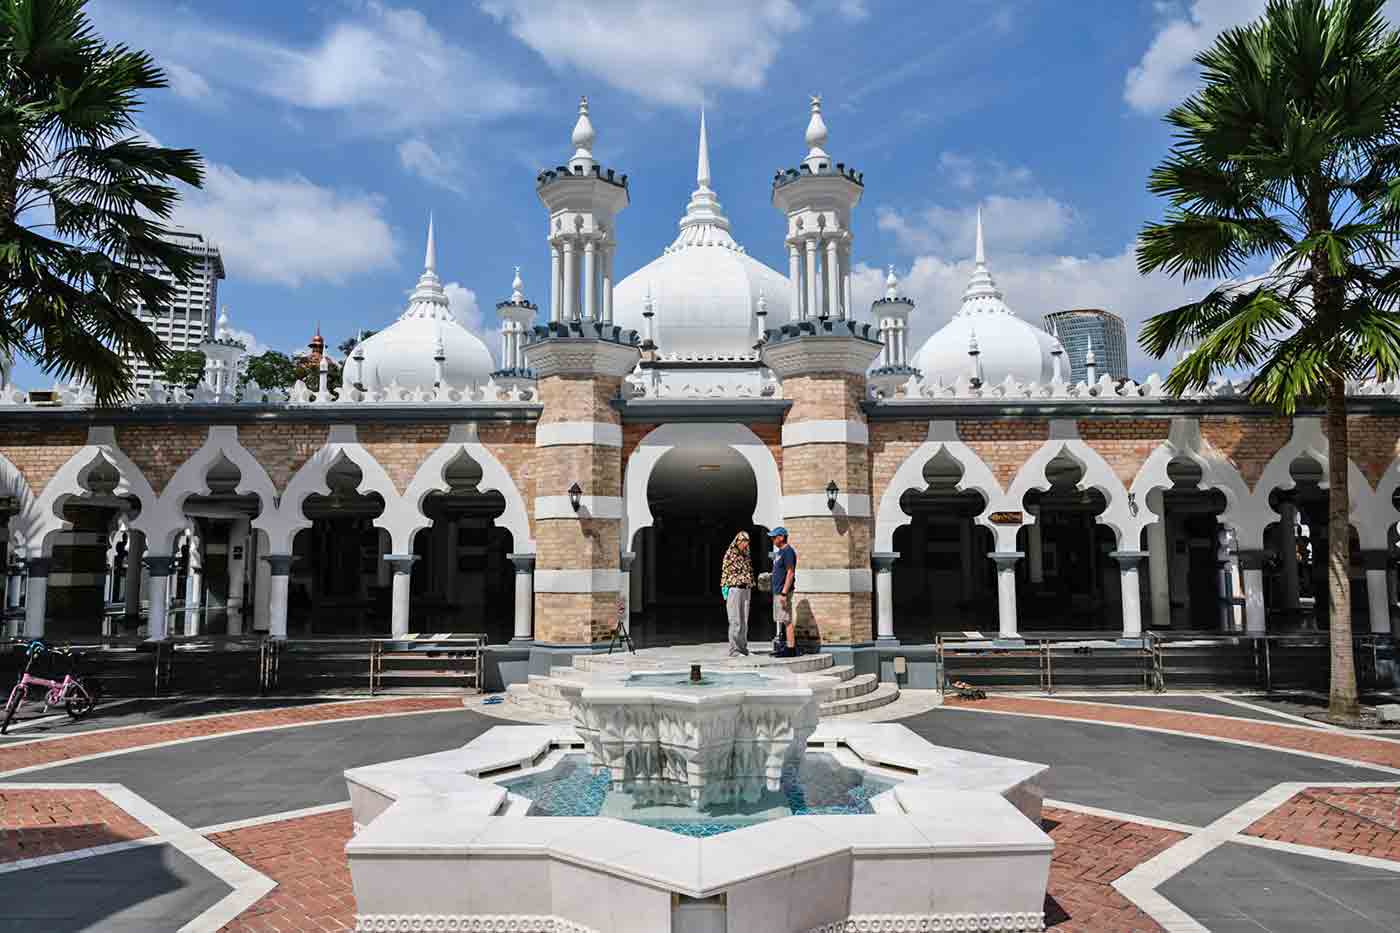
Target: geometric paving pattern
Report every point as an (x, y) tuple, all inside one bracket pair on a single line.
[(306, 857), (1359, 820), (35, 823)]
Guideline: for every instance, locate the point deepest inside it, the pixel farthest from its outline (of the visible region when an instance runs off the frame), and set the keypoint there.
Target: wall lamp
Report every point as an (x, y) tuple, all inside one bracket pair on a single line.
[(575, 496), (831, 492)]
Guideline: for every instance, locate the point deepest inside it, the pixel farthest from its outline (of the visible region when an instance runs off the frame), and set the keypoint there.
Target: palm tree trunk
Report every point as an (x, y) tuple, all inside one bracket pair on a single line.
[(1342, 702)]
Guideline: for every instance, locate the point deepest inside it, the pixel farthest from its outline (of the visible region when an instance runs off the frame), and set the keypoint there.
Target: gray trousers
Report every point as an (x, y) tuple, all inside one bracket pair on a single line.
[(737, 605)]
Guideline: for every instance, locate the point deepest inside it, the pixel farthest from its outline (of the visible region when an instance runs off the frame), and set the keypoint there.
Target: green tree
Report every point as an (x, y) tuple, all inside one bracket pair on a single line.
[(183, 368), (82, 198), (1288, 159), (310, 373), (271, 370)]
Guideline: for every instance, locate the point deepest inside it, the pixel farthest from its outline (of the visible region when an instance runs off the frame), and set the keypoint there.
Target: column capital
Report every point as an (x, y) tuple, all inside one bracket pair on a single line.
[(884, 562), (1006, 560), (402, 563), (279, 564), (1128, 559), (1375, 559), (625, 560), (582, 348), (524, 563), (39, 566), (159, 565)]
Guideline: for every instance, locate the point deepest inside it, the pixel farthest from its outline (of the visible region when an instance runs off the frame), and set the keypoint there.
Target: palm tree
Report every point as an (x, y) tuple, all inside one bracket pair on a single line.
[(1285, 180), (82, 198)]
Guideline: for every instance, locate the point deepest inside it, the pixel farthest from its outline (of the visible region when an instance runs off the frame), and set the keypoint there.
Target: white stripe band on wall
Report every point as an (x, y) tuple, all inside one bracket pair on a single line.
[(832, 581), (578, 581), (588, 507), (560, 433), (808, 505), (825, 432)]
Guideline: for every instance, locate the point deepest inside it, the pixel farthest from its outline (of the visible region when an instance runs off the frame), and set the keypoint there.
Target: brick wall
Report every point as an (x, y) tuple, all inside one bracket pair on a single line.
[(159, 450), (891, 443), (401, 448), (1005, 446), (1248, 443), (1125, 444), (824, 396), (574, 618), (282, 449), (1375, 444), (39, 453), (579, 398), (514, 445)]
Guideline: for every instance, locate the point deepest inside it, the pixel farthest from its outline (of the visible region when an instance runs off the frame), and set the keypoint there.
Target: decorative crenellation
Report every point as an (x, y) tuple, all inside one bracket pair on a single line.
[(582, 348), (1104, 389), (820, 345), (468, 923), (936, 923)]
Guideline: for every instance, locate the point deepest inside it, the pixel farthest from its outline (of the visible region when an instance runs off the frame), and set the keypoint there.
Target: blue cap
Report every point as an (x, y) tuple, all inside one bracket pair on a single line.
[(779, 532)]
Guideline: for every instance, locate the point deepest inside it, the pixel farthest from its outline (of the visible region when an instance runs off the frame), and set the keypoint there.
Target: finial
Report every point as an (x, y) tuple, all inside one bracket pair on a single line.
[(981, 256), (891, 285), (517, 288), (702, 167), (972, 346), (1089, 358), (325, 364), (439, 352), (222, 332), (816, 130), (762, 304), (583, 135), (430, 254), (359, 353)]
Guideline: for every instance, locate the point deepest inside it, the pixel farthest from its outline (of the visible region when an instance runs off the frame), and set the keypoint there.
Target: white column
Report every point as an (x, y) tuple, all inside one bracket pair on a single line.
[(262, 586), (1159, 572), (1252, 574), (884, 597), (1006, 592), (833, 280), (158, 567), (795, 274), (1288, 554), (556, 285), (237, 573), (1035, 552), (607, 283), (135, 550), (813, 283), (590, 281), (1128, 562), (569, 305), (403, 580), (36, 599), (194, 583), (1377, 590), (845, 265), (279, 578), (524, 597)]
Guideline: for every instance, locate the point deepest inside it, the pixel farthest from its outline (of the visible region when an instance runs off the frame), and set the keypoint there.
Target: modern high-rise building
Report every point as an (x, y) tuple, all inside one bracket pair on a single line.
[(189, 319), (1078, 328)]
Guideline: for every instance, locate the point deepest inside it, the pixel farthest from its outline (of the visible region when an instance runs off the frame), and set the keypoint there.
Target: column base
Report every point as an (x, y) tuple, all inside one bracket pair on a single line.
[(546, 656)]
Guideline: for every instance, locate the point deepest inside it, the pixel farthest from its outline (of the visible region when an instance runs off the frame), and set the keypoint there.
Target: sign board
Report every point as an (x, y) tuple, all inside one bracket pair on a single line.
[(1005, 518)]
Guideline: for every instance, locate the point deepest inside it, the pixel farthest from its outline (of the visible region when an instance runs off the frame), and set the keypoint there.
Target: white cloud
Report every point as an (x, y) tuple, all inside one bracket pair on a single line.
[(252, 345), (664, 51), (186, 83), (466, 308), (853, 10), (969, 172), (1167, 74), (1020, 223), (419, 157), (288, 230), (384, 68)]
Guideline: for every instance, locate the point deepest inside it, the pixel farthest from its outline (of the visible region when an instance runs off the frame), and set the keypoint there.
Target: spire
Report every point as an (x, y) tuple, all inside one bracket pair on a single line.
[(702, 166), (891, 285), (430, 254), (982, 295), (981, 257), (816, 131), (517, 288), (583, 135), (222, 332)]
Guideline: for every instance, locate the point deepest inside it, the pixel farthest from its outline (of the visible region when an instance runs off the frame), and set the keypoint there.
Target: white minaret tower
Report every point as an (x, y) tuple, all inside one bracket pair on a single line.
[(891, 313), (583, 200), (222, 354), (818, 197), (517, 314)]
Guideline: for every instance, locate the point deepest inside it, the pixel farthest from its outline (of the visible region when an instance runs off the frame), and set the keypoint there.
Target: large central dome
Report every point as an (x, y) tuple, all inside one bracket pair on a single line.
[(704, 288)]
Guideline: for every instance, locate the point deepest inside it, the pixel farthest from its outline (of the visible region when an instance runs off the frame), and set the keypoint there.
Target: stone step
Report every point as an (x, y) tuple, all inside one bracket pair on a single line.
[(882, 694), (842, 672), (856, 686)]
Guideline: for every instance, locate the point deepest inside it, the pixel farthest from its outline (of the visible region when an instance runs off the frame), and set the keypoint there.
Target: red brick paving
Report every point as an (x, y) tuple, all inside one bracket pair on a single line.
[(75, 746), (1289, 738), (1091, 852), (47, 822), (1360, 820), (306, 857)]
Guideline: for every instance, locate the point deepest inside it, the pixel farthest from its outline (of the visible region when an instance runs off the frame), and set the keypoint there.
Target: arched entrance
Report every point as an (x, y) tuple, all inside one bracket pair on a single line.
[(338, 583), (699, 497)]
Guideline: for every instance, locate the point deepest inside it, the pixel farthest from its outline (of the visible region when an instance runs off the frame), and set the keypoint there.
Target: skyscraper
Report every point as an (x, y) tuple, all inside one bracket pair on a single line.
[(189, 319), (1078, 327)]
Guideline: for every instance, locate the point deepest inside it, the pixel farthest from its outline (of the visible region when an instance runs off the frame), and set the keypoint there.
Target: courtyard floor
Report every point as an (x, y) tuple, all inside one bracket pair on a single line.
[(1188, 812)]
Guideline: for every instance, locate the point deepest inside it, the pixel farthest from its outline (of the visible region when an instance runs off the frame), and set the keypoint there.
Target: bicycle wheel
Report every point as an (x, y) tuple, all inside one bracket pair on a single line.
[(79, 702), (12, 707)]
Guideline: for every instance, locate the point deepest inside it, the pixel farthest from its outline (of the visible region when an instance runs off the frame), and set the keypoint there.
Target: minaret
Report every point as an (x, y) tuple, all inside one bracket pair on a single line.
[(583, 200), (517, 314), (1091, 374), (221, 358), (891, 313), (817, 198)]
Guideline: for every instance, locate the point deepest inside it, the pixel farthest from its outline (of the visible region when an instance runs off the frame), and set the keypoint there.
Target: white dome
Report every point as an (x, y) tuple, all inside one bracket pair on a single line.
[(1006, 345), (404, 351), (705, 287)]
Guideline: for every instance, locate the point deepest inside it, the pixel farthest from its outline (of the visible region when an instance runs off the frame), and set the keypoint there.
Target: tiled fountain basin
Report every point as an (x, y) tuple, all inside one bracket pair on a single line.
[(441, 846)]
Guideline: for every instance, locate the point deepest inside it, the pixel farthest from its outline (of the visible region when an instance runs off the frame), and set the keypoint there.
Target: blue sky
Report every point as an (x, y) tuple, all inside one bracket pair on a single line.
[(332, 128)]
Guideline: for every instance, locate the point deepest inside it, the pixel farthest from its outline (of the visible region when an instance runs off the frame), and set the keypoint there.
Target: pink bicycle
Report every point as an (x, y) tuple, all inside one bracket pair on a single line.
[(77, 697)]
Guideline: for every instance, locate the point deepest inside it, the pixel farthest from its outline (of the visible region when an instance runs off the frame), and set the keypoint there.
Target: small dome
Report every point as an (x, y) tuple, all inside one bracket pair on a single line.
[(1005, 345), (705, 287), (404, 351)]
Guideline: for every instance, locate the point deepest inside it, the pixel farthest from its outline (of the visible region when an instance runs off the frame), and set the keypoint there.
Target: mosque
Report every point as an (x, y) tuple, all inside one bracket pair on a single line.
[(598, 466)]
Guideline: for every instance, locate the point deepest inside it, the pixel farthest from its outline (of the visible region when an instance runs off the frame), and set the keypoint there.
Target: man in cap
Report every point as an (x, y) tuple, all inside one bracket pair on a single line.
[(784, 575)]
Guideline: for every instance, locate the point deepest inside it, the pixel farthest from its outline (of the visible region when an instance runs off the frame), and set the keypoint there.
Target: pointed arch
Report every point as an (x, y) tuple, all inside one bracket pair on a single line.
[(1098, 475), (431, 477), (282, 524), (70, 482), (977, 476)]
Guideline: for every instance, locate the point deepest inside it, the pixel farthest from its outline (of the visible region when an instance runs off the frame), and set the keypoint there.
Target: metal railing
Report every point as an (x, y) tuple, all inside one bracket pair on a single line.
[(1050, 652)]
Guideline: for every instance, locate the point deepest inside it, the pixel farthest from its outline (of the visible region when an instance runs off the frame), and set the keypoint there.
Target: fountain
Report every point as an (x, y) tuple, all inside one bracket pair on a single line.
[(698, 799)]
